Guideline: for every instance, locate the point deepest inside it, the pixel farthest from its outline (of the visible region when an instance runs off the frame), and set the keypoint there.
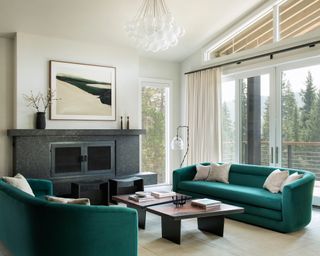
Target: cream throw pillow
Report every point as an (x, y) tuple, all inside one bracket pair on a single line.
[(291, 178), (83, 201), (219, 172), (274, 180), (19, 182), (202, 172)]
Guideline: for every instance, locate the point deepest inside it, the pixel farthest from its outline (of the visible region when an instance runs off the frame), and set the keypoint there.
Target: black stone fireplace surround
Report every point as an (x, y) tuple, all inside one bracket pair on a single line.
[(33, 155)]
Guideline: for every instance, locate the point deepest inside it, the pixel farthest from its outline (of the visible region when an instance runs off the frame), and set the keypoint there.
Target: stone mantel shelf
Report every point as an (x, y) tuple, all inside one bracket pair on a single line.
[(73, 132)]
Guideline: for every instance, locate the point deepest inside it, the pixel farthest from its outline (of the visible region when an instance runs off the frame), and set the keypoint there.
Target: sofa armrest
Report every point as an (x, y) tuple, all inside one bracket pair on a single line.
[(41, 187), (297, 202), (185, 173), (86, 230)]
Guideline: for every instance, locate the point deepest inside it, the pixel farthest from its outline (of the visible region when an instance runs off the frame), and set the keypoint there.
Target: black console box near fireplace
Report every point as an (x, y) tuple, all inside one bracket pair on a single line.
[(66, 156)]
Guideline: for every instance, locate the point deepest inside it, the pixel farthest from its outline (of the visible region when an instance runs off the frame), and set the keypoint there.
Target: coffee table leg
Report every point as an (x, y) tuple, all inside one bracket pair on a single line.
[(141, 216), (171, 229), (213, 225)]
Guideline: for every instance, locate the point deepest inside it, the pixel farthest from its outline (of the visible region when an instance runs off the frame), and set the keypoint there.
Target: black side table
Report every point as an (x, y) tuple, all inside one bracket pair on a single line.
[(124, 186), (97, 191)]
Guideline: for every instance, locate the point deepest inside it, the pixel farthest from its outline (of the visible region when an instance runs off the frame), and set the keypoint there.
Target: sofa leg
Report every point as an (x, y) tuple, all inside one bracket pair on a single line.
[(214, 225)]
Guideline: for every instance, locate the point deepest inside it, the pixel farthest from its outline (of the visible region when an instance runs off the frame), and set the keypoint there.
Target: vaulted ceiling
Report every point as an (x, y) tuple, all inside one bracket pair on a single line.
[(102, 21)]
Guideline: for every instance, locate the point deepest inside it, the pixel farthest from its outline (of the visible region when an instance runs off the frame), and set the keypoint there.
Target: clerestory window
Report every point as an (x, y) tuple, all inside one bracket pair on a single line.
[(280, 20), (299, 17)]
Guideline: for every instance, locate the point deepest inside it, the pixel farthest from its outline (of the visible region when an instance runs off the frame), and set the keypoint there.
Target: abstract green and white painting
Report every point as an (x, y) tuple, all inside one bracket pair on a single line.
[(85, 92)]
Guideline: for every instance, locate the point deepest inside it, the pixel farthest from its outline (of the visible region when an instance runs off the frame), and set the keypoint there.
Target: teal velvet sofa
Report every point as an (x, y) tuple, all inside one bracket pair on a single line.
[(32, 226), (284, 212)]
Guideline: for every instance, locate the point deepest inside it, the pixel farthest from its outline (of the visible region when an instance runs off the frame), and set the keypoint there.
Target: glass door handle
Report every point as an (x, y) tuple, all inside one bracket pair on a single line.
[(272, 155), (277, 155), (83, 158)]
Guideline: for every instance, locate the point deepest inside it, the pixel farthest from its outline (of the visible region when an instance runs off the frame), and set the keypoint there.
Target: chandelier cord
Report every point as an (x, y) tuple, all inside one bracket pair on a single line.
[(164, 6), (143, 9)]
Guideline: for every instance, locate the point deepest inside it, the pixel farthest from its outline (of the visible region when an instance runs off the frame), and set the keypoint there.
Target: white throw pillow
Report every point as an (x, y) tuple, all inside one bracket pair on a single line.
[(274, 180), (202, 172), (19, 182), (291, 178), (219, 172), (82, 201)]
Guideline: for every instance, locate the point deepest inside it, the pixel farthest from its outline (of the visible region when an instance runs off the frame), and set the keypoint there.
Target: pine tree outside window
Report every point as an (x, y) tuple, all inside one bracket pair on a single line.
[(155, 112)]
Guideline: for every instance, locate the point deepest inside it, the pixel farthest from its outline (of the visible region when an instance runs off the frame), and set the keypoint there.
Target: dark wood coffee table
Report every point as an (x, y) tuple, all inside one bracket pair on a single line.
[(141, 207), (208, 220)]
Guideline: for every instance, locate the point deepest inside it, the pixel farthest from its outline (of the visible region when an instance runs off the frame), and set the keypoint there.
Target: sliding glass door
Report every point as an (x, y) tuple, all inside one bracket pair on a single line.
[(300, 118), (229, 122), (246, 124), (272, 117), (254, 119)]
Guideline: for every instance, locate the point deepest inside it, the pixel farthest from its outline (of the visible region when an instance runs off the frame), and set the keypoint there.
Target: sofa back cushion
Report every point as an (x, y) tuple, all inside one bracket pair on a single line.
[(249, 175)]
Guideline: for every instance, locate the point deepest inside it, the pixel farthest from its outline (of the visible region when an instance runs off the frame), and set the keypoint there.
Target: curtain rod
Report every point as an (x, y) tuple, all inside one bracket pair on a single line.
[(310, 44)]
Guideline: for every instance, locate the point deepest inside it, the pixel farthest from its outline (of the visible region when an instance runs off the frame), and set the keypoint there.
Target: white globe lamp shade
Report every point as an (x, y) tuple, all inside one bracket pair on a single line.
[(177, 143)]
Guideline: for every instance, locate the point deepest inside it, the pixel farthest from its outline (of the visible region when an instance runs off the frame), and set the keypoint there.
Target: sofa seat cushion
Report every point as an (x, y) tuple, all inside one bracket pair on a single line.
[(242, 194), (258, 211)]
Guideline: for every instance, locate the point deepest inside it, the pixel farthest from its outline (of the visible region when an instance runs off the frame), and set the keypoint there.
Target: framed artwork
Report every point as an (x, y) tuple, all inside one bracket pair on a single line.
[(84, 92)]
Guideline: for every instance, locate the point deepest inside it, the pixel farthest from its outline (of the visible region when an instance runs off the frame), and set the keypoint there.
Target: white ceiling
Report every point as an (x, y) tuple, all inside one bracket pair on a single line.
[(102, 21)]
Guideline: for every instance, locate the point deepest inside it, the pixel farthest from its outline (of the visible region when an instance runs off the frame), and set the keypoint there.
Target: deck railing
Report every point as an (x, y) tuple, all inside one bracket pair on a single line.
[(298, 155)]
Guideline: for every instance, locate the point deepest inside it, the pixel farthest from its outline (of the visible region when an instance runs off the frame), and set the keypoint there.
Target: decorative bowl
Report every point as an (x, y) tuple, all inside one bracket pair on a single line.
[(141, 194)]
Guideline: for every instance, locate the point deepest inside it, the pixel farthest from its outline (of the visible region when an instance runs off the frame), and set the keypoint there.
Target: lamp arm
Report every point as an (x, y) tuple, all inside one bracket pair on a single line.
[(182, 126), (185, 155)]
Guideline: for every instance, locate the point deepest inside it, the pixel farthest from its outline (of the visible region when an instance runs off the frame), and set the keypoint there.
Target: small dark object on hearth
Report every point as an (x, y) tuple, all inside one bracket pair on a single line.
[(179, 201), (121, 123), (128, 125)]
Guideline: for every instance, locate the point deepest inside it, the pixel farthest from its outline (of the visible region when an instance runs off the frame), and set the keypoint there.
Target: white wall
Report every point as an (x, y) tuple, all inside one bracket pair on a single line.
[(33, 55), (6, 105), (157, 69)]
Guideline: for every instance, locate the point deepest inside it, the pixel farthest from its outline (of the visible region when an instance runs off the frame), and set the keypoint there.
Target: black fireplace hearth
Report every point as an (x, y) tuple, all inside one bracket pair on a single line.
[(66, 156)]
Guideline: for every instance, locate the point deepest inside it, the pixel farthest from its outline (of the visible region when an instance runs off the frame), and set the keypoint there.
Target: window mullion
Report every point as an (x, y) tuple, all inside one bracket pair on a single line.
[(276, 24)]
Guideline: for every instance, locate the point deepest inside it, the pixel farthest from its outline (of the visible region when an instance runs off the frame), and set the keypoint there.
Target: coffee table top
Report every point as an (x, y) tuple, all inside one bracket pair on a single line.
[(125, 199), (188, 211)]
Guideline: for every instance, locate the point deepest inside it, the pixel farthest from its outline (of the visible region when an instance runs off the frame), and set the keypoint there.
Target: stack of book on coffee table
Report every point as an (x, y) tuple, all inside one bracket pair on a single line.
[(162, 194), (141, 197), (206, 203)]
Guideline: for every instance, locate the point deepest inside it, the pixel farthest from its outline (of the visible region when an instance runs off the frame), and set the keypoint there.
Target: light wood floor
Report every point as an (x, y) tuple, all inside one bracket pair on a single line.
[(239, 239)]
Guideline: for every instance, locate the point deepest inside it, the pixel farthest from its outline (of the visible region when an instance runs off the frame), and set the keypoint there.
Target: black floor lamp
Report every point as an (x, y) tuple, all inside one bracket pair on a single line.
[(178, 144)]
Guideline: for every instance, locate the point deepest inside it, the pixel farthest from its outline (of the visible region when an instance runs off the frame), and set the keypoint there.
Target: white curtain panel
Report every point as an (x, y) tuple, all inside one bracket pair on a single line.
[(203, 115)]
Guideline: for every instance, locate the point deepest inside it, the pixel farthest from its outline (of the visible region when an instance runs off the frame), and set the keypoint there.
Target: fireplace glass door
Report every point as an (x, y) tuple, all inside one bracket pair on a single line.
[(99, 157), (67, 159), (81, 158)]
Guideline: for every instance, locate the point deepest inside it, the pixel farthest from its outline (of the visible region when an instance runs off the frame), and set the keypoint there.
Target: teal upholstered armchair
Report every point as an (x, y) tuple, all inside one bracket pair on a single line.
[(31, 226)]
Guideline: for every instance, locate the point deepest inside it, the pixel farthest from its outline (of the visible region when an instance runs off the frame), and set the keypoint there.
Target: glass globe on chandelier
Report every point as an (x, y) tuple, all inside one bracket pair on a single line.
[(154, 28)]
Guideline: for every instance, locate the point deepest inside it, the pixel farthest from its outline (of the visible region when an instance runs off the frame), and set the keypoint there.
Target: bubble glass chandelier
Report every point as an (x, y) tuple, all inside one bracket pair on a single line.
[(154, 28)]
